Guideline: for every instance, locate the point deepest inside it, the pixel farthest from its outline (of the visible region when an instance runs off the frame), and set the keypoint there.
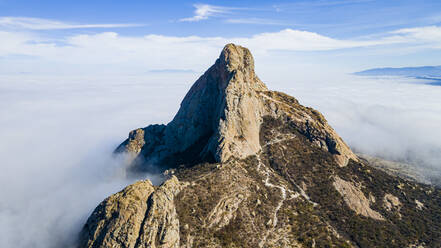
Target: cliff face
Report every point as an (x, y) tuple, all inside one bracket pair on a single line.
[(220, 118), (253, 168)]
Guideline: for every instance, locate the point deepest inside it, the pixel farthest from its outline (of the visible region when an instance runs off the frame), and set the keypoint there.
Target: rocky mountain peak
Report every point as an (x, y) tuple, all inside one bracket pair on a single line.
[(237, 58), (254, 168), (220, 118)]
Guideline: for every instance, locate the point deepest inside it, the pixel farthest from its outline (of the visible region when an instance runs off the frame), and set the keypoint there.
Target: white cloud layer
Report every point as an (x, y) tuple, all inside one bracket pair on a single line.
[(58, 134), (45, 24), (429, 36)]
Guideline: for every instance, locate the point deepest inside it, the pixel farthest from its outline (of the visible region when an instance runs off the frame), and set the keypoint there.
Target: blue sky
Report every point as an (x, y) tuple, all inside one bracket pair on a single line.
[(336, 18), (352, 34)]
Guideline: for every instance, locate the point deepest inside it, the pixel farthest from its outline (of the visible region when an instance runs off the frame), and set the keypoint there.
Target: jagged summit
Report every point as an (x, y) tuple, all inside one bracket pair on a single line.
[(277, 176), (221, 109), (220, 118)]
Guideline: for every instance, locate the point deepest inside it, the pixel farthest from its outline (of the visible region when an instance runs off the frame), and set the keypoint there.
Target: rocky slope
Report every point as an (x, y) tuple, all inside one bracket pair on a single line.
[(250, 167)]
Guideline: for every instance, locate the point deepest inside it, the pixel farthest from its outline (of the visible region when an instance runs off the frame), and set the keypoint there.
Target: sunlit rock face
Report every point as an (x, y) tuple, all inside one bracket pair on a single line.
[(220, 118), (250, 167)]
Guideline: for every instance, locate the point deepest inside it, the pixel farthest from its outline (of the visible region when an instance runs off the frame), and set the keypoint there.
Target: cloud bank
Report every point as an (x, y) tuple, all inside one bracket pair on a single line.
[(58, 135), (32, 52)]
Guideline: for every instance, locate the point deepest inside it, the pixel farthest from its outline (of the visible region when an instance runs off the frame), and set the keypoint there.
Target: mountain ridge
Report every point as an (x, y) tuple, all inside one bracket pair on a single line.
[(423, 72)]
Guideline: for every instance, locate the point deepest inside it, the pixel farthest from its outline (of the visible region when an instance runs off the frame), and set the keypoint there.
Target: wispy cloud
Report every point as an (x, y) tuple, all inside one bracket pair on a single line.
[(257, 21), (204, 11), (45, 24), (429, 35)]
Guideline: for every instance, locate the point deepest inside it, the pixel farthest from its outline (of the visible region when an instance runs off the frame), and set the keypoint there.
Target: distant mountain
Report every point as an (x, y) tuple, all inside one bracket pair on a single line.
[(423, 72)]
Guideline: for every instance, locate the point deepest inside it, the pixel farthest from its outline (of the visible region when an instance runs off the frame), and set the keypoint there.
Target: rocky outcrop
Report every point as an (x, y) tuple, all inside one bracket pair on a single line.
[(391, 202), (225, 210), (117, 221), (139, 216), (309, 122), (355, 199), (160, 227), (220, 118), (250, 167)]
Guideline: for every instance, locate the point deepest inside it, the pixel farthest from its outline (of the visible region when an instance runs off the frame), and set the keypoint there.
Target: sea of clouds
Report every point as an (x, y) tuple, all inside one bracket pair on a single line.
[(58, 133), (57, 137)]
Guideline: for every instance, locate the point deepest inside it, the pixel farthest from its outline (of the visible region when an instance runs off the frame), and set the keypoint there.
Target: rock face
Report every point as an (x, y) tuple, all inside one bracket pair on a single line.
[(138, 216), (253, 168), (220, 118), (117, 221)]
